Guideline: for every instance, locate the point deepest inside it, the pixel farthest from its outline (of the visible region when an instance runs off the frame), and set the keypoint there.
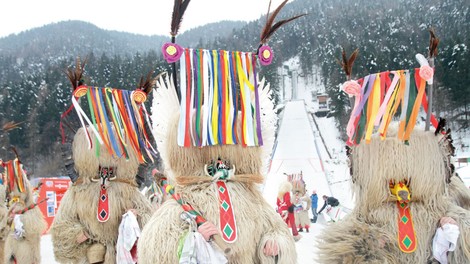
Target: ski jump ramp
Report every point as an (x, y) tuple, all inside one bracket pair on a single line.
[(296, 149)]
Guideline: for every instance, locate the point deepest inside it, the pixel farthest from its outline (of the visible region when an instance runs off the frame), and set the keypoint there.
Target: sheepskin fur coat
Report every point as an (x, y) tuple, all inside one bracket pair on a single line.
[(26, 247), (4, 227)]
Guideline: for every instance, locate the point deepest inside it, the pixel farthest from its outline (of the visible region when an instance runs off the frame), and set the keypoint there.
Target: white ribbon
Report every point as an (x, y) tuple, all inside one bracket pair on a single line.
[(205, 107), (81, 114), (181, 124)]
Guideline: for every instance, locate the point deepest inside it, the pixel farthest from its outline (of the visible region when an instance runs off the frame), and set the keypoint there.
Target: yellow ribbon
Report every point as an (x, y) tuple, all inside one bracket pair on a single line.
[(416, 106), (243, 80), (394, 102), (228, 100), (215, 105)]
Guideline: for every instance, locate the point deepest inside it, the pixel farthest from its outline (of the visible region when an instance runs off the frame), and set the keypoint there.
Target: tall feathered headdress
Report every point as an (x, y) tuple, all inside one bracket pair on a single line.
[(264, 51), (123, 110), (381, 97), (296, 179), (14, 174)]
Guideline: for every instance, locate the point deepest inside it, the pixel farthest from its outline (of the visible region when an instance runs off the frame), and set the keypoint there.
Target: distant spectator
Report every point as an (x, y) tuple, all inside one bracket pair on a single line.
[(329, 200), (301, 214), (332, 208), (314, 198)]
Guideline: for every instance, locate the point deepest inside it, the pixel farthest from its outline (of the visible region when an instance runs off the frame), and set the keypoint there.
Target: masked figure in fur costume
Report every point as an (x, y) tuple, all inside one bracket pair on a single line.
[(4, 227), (302, 201), (404, 211), (215, 147), (423, 169), (25, 221), (301, 212), (285, 207), (260, 233), (87, 224)]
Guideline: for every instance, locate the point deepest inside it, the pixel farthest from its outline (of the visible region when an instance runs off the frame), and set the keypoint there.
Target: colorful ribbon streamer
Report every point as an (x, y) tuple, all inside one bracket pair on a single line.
[(14, 175), (377, 104), (128, 118), (215, 85)]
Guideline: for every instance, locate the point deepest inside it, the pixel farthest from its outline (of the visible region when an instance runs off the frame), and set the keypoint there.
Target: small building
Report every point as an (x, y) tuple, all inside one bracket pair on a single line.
[(323, 105)]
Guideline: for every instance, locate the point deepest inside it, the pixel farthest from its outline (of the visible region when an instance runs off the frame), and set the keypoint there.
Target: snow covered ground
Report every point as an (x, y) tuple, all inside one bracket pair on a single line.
[(305, 247), (299, 149)]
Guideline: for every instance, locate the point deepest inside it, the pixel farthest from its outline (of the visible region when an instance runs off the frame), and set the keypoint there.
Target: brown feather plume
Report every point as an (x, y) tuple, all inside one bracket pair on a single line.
[(269, 28), (16, 153), (347, 63), (433, 42), (440, 126), (10, 125), (147, 83), (179, 8), (75, 75), (269, 10)]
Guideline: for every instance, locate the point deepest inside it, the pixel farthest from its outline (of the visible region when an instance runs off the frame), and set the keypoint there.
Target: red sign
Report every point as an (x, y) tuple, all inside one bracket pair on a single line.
[(53, 189)]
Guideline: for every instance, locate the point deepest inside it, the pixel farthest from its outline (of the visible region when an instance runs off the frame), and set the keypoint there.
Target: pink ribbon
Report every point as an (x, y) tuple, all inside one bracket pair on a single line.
[(350, 127)]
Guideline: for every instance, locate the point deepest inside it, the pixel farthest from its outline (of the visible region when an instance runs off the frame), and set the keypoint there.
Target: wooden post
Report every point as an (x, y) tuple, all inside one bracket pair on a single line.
[(175, 80), (433, 42), (430, 88)]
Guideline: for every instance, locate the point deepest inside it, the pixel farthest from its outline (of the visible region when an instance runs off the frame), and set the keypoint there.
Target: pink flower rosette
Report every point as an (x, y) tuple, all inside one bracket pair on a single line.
[(265, 55), (352, 88), (427, 73), (172, 52)]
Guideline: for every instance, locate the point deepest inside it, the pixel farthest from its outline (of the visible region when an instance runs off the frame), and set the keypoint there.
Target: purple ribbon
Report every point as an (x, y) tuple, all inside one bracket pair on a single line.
[(366, 96)]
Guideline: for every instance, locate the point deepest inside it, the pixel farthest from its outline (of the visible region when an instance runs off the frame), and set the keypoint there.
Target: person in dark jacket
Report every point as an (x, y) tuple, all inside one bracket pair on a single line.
[(329, 200), (314, 198)]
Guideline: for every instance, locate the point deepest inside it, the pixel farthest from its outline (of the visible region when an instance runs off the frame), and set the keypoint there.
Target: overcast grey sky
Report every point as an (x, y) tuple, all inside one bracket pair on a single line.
[(148, 17)]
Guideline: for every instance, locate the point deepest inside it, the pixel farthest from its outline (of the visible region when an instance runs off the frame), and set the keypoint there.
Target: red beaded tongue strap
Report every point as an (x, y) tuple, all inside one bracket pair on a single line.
[(228, 225), (103, 202), (406, 232)]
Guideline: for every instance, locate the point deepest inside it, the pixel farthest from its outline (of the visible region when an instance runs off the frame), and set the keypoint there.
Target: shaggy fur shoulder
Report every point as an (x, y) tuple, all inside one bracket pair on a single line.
[(369, 234)]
